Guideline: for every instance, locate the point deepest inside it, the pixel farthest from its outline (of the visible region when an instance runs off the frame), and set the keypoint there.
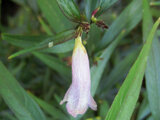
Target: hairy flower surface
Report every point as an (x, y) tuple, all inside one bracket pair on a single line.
[(78, 96)]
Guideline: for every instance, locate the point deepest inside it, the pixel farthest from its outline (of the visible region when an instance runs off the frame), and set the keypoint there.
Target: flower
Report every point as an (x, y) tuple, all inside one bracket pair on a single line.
[(78, 96)]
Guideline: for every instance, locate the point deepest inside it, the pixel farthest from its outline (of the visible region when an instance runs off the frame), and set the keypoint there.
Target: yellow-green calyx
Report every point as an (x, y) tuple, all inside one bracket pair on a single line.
[(78, 44)]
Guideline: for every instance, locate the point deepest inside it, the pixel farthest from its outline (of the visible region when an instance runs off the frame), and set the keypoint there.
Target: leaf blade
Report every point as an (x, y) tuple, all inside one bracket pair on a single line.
[(152, 70), (125, 101), (133, 14), (70, 9), (51, 11), (97, 71), (51, 110), (22, 105)]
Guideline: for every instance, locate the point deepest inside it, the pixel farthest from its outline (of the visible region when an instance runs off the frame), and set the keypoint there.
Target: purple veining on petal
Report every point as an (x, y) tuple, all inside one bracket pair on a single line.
[(78, 96)]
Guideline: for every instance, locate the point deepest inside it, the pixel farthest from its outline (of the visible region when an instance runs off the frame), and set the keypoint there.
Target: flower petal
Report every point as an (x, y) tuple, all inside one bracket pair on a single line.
[(78, 96), (92, 103)]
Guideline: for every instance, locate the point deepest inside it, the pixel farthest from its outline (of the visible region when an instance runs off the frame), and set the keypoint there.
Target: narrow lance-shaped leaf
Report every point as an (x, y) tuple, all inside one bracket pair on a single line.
[(45, 26), (144, 109), (119, 71), (105, 4), (155, 3), (23, 106), (27, 41), (50, 109), (127, 20), (70, 9), (125, 101), (39, 44), (152, 73), (61, 48), (54, 15), (54, 63), (91, 5), (23, 41)]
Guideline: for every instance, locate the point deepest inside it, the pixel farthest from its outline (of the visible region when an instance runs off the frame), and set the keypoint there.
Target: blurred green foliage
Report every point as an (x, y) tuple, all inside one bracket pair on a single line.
[(37, 39)]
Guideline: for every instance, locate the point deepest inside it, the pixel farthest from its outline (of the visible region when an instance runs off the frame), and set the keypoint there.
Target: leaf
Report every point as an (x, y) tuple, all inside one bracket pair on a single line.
[(105, 4), (144, 110), (54, 63), (125, 101), (7, 116), (70, 9), (61, 48), (45, 26), (91, 5), (152, 73), (26, 41), (155, 3), (23, 41), (51, 110), (97, 71), (38, 46), (127, 20), (54, 15), (23, 106), (59, 38), (150, 118), (119, 71), (104, 107)]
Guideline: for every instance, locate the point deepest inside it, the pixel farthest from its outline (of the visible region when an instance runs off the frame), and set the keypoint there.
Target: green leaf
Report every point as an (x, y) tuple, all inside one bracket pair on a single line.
[(50, 109), (45, 26), (91, 5), (38, 46), (105, 4), (152, 73), (127, 20), (150, 118), (54, 15), (7, 116), (23, 41), (97, 71), (155, 3), (104, 107), (125, 101), (119, 71), (144, 110), (155, 12), (70, 9), (17, 99), (61, 48), (54, 63), (42, 45)]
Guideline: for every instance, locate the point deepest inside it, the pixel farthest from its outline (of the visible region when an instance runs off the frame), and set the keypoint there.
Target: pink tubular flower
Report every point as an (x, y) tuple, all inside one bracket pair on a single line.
[(78, 96)]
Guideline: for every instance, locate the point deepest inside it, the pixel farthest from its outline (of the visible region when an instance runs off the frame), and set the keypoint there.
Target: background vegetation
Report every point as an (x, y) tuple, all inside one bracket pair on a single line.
[(124, 59)]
